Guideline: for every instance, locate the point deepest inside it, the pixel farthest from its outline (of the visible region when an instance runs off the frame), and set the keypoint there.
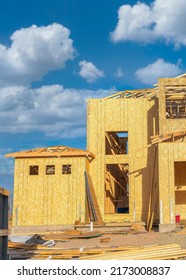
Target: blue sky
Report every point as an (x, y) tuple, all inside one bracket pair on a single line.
[(54, 54)]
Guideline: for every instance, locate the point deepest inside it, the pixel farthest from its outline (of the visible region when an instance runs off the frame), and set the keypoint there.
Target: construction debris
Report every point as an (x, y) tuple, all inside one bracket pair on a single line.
[(153, 252), (105, 240)]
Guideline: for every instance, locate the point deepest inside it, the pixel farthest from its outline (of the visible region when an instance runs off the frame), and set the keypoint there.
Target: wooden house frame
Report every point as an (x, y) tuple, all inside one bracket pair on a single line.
[(138, 172), (149, 181)]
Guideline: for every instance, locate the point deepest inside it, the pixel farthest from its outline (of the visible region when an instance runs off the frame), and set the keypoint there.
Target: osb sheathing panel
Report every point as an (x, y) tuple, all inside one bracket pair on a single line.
[(168, 154), (168, 125), (49, 199), (136, 117)]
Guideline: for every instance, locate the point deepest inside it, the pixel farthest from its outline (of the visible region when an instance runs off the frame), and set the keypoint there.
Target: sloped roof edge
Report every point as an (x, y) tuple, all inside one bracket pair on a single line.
[(54, 151)]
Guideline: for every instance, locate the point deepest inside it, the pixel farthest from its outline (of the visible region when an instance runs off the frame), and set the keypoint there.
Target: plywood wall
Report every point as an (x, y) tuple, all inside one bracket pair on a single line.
[(171, 199), (138, 117), (169, 153), (49, 199)]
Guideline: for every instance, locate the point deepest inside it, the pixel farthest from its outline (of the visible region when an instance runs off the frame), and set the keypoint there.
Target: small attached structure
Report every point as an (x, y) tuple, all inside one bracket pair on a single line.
[(49, 186)]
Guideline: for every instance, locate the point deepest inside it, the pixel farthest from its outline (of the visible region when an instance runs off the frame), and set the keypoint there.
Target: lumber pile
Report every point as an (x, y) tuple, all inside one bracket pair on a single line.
[(39, 252), (154, 252), (67, 236)]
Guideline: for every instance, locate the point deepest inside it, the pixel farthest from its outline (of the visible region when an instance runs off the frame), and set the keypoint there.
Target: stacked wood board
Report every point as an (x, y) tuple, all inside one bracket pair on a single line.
[(153, 252)]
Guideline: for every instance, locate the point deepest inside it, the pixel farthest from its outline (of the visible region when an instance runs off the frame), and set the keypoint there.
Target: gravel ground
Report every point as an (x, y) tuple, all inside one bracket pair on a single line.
[(131, 239)]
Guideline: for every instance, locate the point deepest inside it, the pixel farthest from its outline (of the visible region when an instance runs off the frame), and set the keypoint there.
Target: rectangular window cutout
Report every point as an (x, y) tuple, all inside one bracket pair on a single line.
[(180, 182), (117, 189), (50, 169), (180, 175), (180, 197), (175, 102), (116, 142), (66, 169), (34, 170)]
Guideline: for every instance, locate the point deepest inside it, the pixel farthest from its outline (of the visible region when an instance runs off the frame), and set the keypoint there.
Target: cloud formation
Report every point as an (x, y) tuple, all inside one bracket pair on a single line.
[(158, 69), (34, 52), (6, 169), (89, 72), (161, 20), (119, 73), (53, 110)]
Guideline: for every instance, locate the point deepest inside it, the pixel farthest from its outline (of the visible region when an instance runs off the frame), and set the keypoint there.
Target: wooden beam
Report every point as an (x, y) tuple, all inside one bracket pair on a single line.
[(166, 136)]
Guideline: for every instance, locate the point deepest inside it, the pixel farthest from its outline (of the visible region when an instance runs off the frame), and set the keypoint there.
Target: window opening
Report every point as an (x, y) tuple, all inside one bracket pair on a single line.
[(34, 170), (116, 142), (50, 169), (116, 188), (66, 169)]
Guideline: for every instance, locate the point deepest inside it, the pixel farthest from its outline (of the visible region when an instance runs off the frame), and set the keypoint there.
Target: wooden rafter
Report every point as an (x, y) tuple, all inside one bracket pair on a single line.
[(138, 93), (142, 93)]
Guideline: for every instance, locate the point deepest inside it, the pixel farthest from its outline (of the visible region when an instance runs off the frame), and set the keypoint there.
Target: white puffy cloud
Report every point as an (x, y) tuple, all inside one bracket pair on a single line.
[(119, 73), (53, 110), (89, 71), (34, 52), (158, 69), (147, 23)]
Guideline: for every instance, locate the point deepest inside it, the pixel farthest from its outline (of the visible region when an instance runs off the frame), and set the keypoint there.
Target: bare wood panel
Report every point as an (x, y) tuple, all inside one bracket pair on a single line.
[(135, 117), (42, 199), (170, 155)]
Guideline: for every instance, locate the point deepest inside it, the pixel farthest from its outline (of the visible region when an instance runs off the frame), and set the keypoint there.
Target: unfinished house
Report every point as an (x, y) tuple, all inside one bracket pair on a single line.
[(138, 137), (138, 172), (49, 186)]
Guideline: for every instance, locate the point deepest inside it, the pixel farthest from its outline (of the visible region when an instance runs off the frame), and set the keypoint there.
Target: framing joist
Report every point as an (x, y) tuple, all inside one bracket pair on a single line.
[(140, 93)]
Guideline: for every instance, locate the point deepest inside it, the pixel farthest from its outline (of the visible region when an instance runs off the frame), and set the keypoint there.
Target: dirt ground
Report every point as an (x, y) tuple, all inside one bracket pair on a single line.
[(131, 239)]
